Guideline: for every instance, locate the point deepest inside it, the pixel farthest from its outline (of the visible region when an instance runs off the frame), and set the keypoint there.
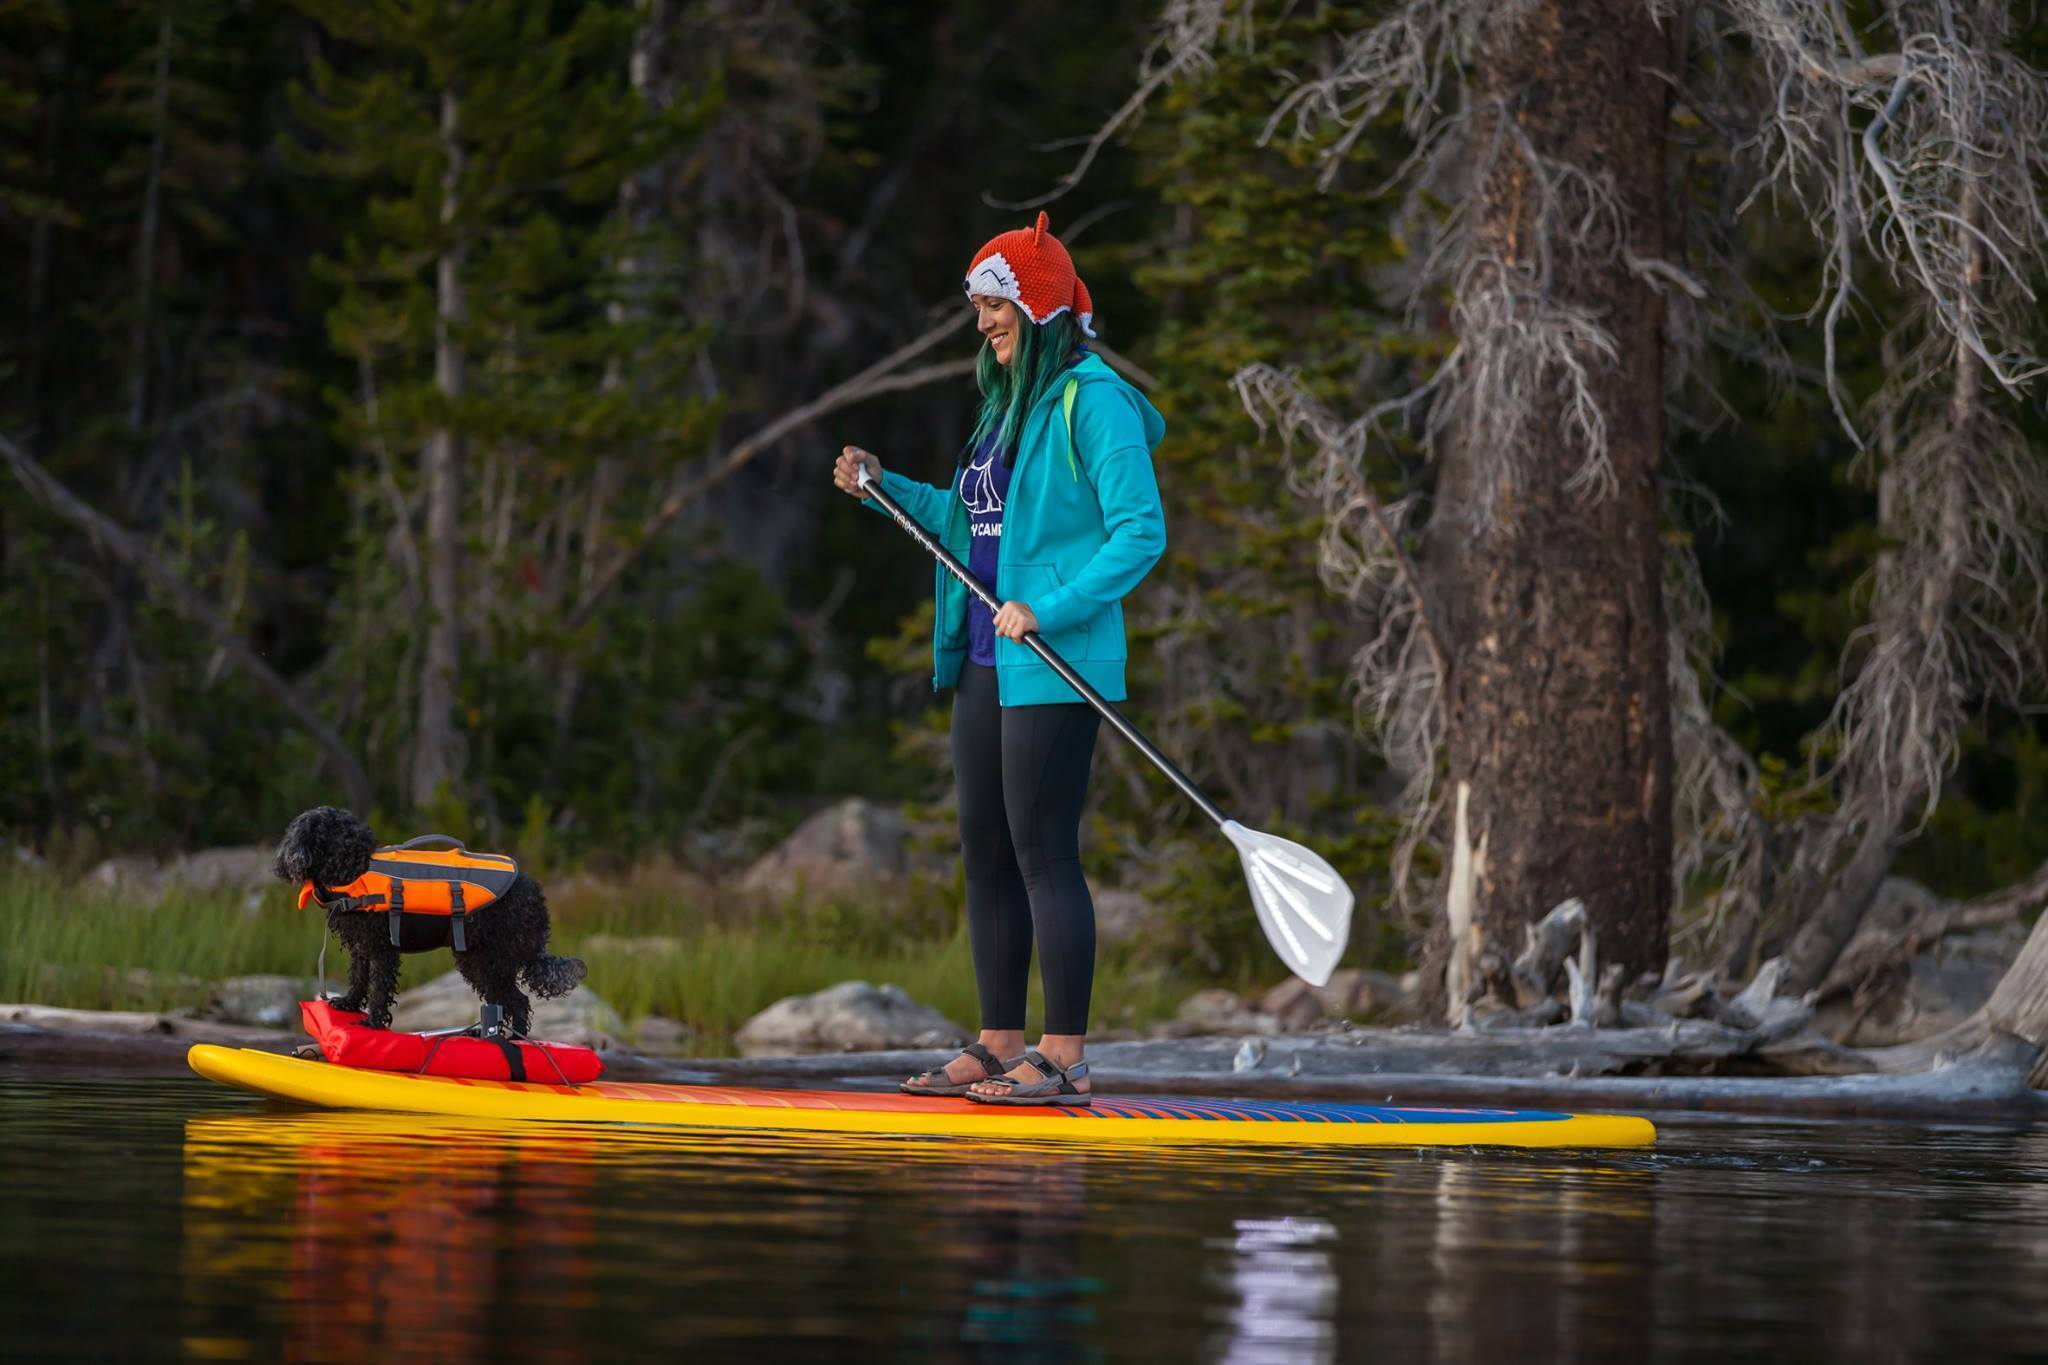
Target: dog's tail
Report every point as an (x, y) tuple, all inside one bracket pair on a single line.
[(548, 976)]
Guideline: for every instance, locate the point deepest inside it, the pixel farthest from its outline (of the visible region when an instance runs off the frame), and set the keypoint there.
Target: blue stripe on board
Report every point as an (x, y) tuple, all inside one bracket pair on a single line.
[(1283, 1111)]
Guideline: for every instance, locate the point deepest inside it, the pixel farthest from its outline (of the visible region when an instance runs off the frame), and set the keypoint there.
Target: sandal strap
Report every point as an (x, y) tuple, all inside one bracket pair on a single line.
[(1050, 1070), (992, 1069)]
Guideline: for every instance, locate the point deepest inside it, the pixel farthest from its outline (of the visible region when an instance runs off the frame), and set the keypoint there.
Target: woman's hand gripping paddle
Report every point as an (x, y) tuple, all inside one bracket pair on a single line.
[(1302, 904)]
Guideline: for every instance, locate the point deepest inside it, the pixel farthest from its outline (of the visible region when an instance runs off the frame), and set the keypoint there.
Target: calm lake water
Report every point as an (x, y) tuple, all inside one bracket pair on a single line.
[(143, 1220)]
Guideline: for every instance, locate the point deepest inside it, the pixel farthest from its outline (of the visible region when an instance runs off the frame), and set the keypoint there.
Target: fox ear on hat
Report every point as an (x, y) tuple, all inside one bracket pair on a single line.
[(1038, 228)]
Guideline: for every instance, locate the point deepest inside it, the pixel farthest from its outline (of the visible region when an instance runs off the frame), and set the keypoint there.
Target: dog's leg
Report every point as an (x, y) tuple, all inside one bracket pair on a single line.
[(518, 1009), (496, 982), (345, 928), (384, 965), (358, 982)]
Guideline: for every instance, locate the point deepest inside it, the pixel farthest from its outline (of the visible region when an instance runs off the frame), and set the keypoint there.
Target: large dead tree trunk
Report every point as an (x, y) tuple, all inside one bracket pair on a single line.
[(1559, 738), (434, 748)]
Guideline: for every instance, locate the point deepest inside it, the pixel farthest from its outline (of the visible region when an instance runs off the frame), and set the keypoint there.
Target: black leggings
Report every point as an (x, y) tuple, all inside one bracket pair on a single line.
[(1023, 776)]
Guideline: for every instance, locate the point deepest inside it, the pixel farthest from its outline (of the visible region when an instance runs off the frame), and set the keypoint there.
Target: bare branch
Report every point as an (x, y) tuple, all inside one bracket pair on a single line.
[(1191, 28), (1401, 673), (126, 549), (877, 378)]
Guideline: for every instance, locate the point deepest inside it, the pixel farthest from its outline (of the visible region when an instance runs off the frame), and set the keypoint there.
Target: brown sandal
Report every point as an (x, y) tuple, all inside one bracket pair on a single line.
[(934, 1082)]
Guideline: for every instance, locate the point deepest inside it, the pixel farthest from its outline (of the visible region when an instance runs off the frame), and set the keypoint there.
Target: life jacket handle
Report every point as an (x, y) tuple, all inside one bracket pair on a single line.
[(433, 839)]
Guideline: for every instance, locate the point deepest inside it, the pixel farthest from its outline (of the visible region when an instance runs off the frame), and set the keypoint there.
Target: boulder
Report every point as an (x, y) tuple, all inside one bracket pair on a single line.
[(1377, 996), (244, 867), (212, 871), (852, 845), (1947, 984), (663, 1037), (1294, 1004), (580, 1017), (1216, 1011), (268, 1001), (127, 875), (852, 1016), (1353, 993)]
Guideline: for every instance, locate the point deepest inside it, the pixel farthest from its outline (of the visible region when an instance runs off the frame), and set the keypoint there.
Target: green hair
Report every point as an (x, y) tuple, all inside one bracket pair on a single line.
[(1008, 392)]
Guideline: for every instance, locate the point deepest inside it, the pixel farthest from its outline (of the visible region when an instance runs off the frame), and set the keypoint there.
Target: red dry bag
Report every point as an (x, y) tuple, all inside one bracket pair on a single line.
[(345, 1041)]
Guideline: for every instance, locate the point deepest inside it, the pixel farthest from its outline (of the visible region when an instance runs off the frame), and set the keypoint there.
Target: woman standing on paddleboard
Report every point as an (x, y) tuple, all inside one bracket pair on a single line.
[(1054, 508)]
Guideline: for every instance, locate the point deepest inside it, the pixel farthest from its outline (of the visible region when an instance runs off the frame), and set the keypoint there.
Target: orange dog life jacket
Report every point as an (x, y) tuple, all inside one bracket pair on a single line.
[(405, 879)]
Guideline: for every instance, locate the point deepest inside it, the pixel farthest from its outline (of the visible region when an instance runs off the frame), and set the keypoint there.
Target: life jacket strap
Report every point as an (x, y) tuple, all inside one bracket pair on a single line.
[(397, 909), (457, 913), (344, 903)]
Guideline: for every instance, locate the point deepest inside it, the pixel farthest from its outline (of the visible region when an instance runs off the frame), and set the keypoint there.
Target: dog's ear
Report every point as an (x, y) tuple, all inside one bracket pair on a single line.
[(354, 843), (290, 863), (327, 844)]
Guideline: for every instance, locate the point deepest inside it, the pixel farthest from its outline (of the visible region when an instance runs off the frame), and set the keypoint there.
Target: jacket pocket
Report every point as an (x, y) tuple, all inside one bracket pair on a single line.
[(1026, 583)]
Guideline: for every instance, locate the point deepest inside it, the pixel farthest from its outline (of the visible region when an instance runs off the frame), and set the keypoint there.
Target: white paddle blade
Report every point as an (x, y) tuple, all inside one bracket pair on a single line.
[(1302, 904)]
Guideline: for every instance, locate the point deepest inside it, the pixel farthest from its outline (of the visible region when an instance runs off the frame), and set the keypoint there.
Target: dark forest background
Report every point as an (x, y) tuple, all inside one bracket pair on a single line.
[(223, 226)]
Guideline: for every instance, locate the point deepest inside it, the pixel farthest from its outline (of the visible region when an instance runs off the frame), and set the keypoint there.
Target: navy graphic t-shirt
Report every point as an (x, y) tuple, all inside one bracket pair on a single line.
[(984, 482)]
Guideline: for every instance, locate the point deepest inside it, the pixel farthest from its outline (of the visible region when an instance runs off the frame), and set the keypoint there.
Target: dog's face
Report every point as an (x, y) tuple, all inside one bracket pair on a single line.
[(325, 845)]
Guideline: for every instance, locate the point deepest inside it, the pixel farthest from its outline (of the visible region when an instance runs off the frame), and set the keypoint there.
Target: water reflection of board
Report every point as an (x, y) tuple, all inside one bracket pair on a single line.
[(1144, 1120), (372, 1237)]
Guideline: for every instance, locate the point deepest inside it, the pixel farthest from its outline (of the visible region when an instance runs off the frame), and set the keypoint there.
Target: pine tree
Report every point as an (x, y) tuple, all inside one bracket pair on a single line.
[(489, 142), (1240, 653)]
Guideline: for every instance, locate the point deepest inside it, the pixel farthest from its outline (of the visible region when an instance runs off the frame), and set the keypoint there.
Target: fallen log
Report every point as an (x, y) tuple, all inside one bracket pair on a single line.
[(1964, 1087)]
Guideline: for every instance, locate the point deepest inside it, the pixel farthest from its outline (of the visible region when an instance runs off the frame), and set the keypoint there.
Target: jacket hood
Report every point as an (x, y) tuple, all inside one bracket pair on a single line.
[(1094, 373)]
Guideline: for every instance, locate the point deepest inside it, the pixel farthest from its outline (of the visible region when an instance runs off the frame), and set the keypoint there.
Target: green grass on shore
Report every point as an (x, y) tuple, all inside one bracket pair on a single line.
[(657, 942)]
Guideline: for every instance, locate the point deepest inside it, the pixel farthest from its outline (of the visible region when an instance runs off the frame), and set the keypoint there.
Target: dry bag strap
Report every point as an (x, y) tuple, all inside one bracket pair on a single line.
[(514, 1063)]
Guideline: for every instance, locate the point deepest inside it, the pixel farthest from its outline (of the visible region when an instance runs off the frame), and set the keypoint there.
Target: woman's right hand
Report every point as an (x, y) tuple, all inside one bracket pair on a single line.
[(846, 472)]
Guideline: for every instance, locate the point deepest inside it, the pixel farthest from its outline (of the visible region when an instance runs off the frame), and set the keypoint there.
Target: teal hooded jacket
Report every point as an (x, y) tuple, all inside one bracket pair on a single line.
[(1082, 524)]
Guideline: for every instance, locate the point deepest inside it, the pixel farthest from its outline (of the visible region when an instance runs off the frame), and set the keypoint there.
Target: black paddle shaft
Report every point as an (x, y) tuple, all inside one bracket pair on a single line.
[(873, 488)]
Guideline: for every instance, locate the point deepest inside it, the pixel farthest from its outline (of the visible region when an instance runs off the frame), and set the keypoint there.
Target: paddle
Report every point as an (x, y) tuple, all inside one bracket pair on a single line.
[(1301, 902)]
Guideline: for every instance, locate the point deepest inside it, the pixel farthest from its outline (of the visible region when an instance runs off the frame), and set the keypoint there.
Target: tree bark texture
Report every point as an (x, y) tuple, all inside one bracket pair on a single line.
[(1559, 740), (435, 762)]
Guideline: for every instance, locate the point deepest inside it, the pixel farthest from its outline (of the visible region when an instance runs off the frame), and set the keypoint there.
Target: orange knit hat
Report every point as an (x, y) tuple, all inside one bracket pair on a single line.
[(1030, 268)]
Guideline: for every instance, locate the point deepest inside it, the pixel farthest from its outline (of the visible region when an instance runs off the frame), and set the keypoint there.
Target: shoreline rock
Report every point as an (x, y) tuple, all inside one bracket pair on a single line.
[(853, 843), (581, 1017), (852, 1016), (262, 1000)]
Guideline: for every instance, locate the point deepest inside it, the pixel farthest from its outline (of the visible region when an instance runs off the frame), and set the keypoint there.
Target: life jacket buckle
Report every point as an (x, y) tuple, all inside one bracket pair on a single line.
[(457, 913)]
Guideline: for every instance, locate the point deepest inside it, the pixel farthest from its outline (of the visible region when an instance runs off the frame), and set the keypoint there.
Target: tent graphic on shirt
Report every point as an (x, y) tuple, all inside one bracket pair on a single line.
[(978, 486)]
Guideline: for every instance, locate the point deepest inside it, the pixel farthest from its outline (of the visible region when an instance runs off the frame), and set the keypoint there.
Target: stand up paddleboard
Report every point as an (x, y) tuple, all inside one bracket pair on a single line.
[(1110, 1120)]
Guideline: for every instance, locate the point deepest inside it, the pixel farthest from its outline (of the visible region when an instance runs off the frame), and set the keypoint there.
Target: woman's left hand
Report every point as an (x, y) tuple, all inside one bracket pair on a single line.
[(1013, 620)]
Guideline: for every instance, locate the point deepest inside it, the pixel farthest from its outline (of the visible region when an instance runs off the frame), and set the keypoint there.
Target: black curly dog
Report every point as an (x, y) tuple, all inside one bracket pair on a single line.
[(508, 939)]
